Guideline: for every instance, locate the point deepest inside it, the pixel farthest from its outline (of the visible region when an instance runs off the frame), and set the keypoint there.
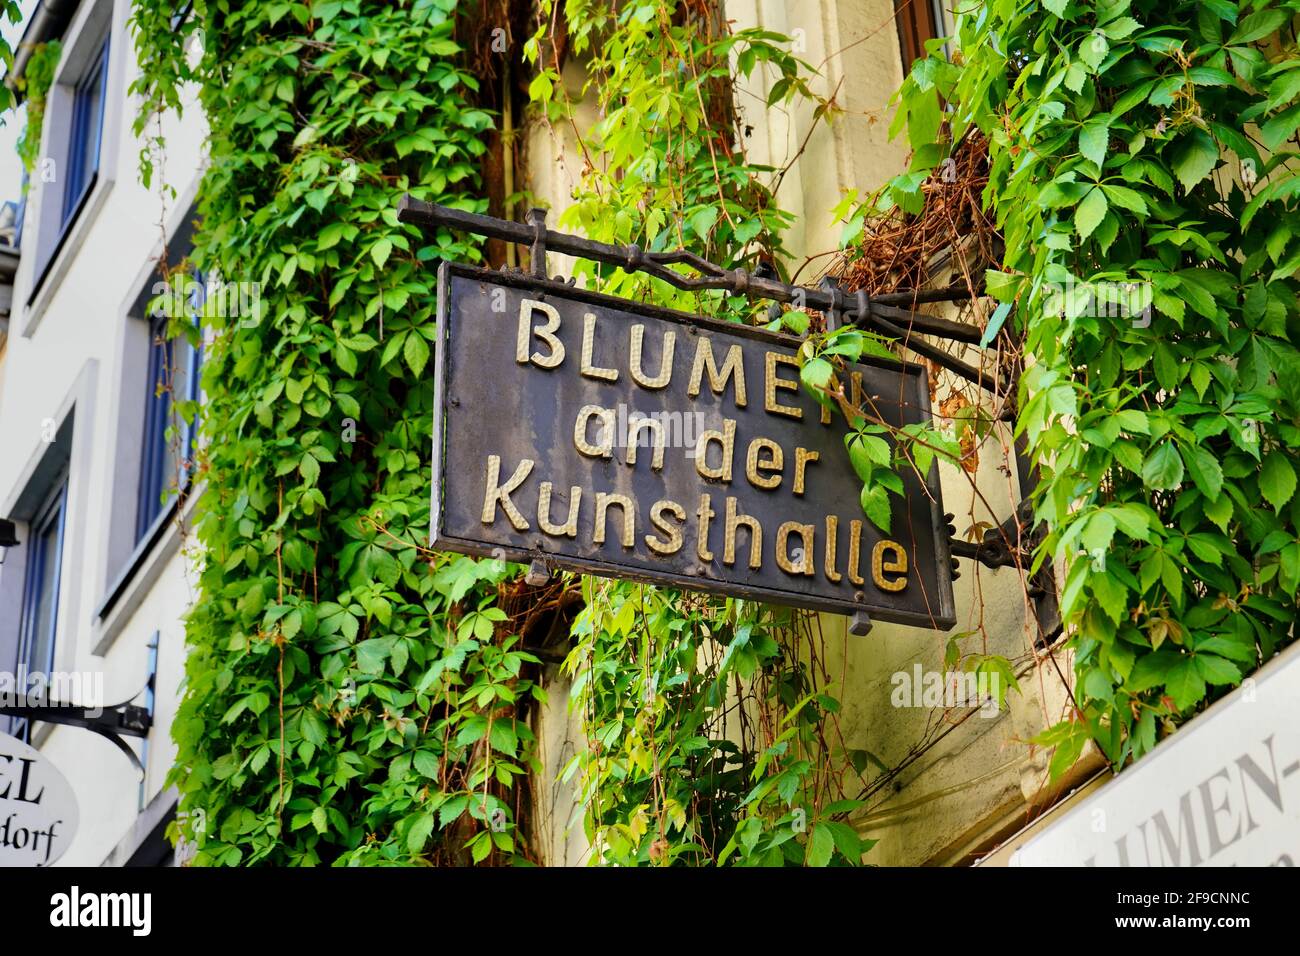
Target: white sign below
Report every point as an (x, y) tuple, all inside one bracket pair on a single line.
[(38, 809), (1224, 790)]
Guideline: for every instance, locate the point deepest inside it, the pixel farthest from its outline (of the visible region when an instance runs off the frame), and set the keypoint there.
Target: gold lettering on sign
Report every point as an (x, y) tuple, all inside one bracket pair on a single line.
[(605, 436), (802, 458), (544, 332), (657, 440), (733, 368), (773, 381), (726, 439), (673, 533), (588, 368), (832, 525), (896, 565), (665, 367), (855, 552), (498, 494), (570, 526), (803, 560), (775, 462), (603, 501), (703, 515), (735, 521)]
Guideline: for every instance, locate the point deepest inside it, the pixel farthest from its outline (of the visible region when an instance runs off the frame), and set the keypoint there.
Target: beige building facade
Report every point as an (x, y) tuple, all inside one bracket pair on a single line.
[(957, 781)]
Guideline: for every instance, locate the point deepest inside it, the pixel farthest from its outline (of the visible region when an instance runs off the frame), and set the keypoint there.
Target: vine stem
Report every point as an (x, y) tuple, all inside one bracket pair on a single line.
[(279, 566)]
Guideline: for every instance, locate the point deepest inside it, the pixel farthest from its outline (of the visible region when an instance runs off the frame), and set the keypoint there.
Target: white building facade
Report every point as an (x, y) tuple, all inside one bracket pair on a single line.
[(95, 591)]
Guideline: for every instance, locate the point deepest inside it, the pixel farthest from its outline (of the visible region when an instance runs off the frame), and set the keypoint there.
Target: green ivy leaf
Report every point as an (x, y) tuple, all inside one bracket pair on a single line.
[(1093, 49), (821, 843), (418, 834), (1220, 511), (1090, 212), (875, 504), (1258, 25), (1163, 468), (1185, 684), (1204, 469), (416, 353), (1195, 158), (1216, 670), (1094, 137), (380, 251), (1277, 479)]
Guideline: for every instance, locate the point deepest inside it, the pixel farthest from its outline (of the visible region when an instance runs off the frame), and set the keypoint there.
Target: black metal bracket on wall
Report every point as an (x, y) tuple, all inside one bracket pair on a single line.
[(880, 313), (883, 314), (112, 723)]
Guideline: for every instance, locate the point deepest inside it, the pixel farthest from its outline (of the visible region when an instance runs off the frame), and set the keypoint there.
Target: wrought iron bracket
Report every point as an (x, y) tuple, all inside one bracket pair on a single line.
[(112, 723), (881, 313), (538, 573), (1011, 544)]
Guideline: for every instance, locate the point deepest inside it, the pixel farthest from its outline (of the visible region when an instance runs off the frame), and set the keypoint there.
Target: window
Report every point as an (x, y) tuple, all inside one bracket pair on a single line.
[(85, 134), (173, 379), (79, 140), (918, 21), (41, 592), (40, 603), (160, 356)]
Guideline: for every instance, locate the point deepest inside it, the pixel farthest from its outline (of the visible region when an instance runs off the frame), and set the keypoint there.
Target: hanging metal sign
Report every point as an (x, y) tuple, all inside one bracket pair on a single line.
[(38, 809), (616, 438)]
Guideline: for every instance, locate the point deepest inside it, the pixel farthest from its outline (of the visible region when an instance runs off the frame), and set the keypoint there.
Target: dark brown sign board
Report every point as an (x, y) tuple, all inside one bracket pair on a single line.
[(561, 434)]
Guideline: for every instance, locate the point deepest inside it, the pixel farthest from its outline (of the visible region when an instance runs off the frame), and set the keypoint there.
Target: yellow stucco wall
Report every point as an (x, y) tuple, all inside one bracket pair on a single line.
[(967, 780)]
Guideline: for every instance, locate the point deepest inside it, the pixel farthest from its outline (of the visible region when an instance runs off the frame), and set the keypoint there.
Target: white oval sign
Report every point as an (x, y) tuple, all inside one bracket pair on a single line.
[(38, 810)]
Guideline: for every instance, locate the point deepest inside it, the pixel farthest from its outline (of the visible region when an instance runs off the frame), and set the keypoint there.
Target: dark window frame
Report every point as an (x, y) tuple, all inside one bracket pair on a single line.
[(918, 21), (54, 509), (78, 178), (160, 400), (86, 135)]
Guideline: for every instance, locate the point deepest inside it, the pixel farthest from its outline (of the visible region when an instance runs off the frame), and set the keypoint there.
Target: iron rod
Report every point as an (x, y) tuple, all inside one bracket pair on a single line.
[(882, 313)]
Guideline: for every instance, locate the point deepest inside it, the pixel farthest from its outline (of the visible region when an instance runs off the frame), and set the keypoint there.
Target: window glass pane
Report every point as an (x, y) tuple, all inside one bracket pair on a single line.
[(84, 137), (93, 97), (173, 378), (918, 21), (41, 595), (158, 466), (44, 599)]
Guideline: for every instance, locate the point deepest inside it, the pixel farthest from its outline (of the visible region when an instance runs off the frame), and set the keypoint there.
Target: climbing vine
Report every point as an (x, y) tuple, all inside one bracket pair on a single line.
[(709, 725), (350, 697), (35, 83), (1142, 174)]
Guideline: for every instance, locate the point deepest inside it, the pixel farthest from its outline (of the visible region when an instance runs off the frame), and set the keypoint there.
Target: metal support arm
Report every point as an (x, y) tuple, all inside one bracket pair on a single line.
[(879, 313), (111, 723)]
